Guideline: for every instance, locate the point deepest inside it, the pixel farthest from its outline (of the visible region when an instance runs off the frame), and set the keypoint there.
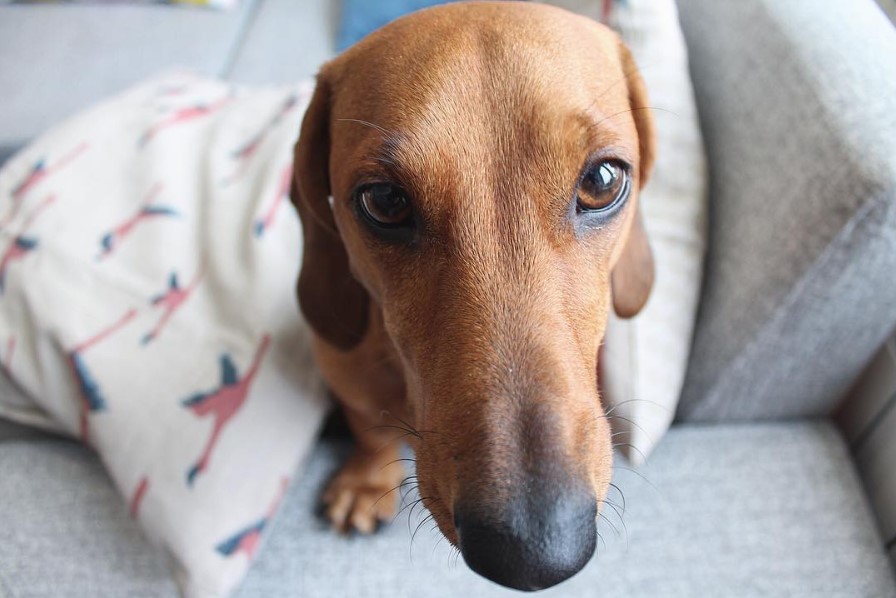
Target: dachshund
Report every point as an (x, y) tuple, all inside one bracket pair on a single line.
[(467, 178)]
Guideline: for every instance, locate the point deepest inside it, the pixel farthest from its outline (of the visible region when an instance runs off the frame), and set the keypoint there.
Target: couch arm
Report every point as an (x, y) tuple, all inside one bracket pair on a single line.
[(797, 102)]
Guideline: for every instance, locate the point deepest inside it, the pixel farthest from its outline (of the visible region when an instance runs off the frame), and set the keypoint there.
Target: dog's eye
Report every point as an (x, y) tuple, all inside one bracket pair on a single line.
[(603, 185), (385, 205)]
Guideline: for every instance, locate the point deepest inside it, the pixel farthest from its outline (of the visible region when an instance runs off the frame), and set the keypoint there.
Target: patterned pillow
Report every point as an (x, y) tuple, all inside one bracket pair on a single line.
[(146, 307), (645, 359)]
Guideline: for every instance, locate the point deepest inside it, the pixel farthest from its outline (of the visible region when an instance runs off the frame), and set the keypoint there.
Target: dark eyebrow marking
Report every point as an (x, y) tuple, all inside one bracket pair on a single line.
[(596, 131), (385, 160), (388, 153), (366, 123)]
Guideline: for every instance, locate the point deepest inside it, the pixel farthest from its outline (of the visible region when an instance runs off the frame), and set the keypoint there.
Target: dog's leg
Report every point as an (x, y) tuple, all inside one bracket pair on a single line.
[(365, 491), (370, 390)]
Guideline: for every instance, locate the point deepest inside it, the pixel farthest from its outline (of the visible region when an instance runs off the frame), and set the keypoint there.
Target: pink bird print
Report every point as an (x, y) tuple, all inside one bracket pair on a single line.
[(242, 155), (288, 104), (22, 244), (223, 402), (110, 241), (245, 152), (170, 301), (266, 221), (137, 498), (181, 116), (39, 172), (247, 539), (92, 399)]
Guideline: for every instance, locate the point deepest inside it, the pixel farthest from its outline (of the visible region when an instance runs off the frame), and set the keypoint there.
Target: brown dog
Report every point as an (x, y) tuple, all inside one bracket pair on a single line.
[(467, 179)]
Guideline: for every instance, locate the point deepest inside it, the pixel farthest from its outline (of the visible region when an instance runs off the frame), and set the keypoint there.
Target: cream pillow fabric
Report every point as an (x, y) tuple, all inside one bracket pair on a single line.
[(147, 307), (644, 359)]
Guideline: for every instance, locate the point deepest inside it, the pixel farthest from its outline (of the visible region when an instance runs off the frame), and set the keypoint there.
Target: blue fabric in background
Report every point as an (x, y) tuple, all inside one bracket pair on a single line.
[(360, 17)]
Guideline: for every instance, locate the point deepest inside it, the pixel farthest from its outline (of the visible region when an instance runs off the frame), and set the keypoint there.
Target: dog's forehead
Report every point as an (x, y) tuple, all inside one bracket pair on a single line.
[(440, 57), (480, 87)]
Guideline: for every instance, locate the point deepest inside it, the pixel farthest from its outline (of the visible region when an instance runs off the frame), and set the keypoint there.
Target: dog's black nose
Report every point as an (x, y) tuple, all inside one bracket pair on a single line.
[(529, 544)]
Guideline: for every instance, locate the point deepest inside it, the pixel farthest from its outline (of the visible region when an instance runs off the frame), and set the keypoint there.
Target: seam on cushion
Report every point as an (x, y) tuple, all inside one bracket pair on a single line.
[(875, 423), (879, 199), (239, 39), (839, 450)]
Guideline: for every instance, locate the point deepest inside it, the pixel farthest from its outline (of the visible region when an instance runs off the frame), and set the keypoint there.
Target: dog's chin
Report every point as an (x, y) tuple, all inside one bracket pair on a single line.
[(441, 513), (448, 530)]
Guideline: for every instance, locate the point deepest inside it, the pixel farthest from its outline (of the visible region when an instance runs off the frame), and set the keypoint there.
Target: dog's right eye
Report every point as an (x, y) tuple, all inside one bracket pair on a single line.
[(603, 186), (385, 205)]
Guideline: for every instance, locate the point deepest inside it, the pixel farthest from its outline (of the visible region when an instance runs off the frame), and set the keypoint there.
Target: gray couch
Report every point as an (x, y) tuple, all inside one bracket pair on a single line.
[(752, 493)]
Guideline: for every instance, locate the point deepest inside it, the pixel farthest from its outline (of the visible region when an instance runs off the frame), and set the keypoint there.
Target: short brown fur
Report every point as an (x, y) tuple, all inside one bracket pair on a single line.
[(483, 334)]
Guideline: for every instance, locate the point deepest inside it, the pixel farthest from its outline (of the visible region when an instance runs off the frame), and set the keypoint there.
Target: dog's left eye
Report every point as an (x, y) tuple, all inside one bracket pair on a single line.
[(604, 185), (385, 205)]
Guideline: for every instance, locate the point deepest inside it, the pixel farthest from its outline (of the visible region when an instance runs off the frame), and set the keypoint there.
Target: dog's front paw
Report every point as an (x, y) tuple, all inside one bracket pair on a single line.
[(365, 491)]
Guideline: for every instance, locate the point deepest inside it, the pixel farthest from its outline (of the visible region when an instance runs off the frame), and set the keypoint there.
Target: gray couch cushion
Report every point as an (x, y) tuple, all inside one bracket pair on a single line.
[(753, 510), (56, 60), (287, 41), (799, 117), (65, 529)]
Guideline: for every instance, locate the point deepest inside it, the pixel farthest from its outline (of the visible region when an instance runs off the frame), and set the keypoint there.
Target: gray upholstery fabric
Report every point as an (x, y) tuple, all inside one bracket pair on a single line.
[(799, 116), (751, 510), (65, 528), (56, 60), (287, 41)]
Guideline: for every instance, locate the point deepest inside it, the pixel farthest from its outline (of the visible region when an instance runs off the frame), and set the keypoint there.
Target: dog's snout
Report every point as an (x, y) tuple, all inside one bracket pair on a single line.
[(529, 544)]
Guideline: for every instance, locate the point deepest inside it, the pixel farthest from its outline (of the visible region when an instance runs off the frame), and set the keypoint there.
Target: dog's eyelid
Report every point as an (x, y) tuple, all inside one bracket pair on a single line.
[(600, 132), (382, 162), (613, 151), (372, 173)]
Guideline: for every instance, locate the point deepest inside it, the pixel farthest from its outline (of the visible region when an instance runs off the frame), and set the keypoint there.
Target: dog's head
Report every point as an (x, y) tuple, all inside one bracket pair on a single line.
[(473, 172)]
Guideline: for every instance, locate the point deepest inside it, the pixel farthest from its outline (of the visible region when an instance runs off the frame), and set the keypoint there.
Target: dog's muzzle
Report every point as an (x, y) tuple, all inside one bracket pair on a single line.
[(537, 540)]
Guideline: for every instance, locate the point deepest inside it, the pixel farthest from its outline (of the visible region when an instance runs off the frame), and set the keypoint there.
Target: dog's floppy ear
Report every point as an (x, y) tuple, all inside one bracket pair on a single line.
[(632, 277), (333, 302)]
